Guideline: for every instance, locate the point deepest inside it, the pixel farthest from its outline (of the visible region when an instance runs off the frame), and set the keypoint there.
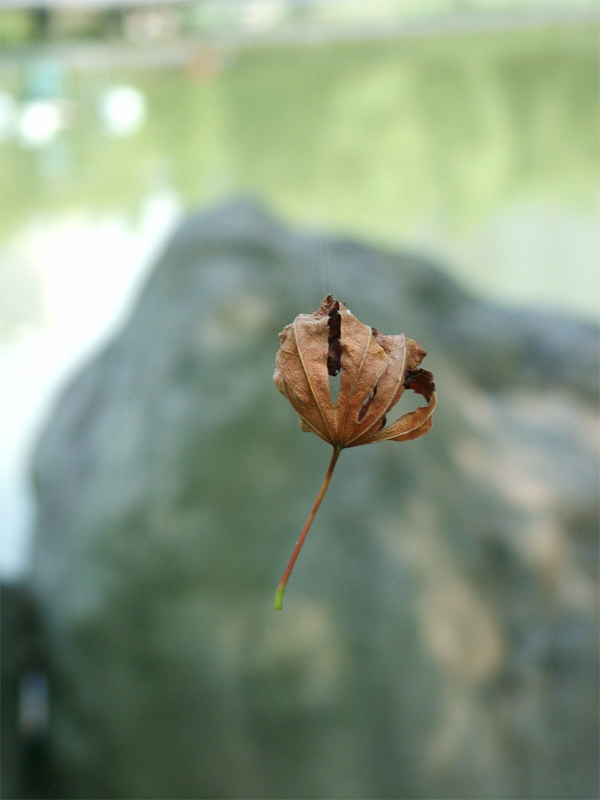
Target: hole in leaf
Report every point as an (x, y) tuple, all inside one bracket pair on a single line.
[(334, 387), (419, 388), (366, 405), (407, 403)]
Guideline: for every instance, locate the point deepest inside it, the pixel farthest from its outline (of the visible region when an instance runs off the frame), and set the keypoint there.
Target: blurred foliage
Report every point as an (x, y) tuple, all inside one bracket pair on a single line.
[(17, 25)]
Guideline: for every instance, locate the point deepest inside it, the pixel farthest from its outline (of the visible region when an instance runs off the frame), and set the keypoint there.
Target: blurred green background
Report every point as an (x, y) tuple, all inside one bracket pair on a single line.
[(475, 141)]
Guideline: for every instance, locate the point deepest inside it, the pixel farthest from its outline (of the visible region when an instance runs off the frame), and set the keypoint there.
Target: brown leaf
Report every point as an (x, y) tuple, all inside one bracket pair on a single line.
[(374, 371)]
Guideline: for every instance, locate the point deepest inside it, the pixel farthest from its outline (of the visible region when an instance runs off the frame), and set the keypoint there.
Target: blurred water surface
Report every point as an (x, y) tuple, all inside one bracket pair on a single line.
[(482, 148)]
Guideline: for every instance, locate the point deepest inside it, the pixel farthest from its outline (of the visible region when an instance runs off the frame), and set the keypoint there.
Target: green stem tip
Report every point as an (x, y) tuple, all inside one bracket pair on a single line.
[(279, 597), (278, 605)]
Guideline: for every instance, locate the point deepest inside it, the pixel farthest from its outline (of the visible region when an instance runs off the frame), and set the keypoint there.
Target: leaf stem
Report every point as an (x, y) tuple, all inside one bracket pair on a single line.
[(283, 582)]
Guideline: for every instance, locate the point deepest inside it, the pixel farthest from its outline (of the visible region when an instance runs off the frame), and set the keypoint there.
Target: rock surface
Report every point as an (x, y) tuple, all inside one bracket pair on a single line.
[(439, 631)]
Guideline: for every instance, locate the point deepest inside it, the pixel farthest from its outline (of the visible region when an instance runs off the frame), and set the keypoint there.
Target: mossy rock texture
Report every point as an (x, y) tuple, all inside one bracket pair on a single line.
[(439, 634)]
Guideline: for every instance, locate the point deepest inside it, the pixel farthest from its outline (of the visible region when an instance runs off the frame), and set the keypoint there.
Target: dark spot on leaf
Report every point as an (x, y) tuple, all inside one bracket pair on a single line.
[(420, 381), (334, 352)]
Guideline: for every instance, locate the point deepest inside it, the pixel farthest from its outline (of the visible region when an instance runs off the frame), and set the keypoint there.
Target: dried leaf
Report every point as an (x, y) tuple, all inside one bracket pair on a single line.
[(375, 369), (374, 372)]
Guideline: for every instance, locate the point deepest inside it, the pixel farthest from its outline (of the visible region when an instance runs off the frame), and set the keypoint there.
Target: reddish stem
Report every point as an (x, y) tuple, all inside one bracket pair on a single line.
[(283, 582)]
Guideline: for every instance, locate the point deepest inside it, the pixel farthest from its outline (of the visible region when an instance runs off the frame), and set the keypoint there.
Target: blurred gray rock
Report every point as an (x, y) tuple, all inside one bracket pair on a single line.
[(439, 633)]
